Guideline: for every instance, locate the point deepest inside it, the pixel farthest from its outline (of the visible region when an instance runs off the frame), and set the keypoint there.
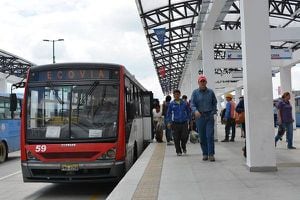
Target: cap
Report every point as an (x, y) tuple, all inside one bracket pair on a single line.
[(202, 78), (228, 95)]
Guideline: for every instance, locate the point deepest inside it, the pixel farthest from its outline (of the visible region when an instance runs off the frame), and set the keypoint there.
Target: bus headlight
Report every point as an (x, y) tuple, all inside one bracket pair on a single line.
[(30, 156), (110, 154)]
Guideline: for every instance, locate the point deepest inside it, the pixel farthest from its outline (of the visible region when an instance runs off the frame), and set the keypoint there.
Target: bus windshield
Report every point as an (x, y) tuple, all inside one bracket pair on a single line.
[(72, 112)]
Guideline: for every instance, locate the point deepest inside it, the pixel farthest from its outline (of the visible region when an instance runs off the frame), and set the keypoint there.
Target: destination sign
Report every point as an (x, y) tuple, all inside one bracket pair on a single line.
[(74, 74)]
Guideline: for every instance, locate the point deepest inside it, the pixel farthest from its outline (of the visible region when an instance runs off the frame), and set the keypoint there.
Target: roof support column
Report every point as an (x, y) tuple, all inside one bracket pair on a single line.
[(196, 66), (208, 58), (258, 98), (208, 64), (286, 86), (3, 83), (238, 94)]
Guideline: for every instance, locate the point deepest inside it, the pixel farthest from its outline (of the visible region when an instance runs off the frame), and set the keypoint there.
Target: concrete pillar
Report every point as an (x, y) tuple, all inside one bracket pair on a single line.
[(238, 94), (208, 64), (286, 86), (192, 77), (208, 58), (257, 80), (219, 106), (3, 84), (197, 65)]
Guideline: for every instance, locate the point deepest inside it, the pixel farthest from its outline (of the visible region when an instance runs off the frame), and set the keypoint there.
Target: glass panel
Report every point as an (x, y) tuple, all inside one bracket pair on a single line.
[(72, 112), (94, 111)]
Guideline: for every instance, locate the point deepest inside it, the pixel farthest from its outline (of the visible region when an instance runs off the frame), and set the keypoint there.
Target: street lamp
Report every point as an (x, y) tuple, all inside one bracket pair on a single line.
[(53, 41)]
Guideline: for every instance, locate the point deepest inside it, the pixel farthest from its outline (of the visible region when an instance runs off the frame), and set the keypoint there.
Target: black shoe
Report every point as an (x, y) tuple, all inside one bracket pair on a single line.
[(225, 140), (231, 140), (291, 147), (212, 158)]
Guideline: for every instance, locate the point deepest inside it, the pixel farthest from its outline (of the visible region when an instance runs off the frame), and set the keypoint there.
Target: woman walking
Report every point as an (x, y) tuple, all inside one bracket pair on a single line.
[(285, 120)]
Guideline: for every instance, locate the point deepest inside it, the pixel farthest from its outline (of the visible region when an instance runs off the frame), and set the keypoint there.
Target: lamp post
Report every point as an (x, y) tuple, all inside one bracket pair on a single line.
[(53, 41)]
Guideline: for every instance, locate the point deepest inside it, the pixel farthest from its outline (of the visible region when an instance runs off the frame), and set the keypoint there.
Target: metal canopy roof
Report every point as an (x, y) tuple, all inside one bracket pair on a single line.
[(13, 65), (180, 17)]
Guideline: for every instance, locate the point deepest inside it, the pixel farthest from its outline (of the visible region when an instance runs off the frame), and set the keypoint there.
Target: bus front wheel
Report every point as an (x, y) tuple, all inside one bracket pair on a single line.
[(3, 152)]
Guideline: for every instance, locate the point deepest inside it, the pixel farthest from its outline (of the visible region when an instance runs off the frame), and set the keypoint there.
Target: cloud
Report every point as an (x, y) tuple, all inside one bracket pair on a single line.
[(93, 31)]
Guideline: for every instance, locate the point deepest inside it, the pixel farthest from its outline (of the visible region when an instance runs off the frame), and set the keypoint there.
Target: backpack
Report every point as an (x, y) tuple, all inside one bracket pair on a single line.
[(222, 115)]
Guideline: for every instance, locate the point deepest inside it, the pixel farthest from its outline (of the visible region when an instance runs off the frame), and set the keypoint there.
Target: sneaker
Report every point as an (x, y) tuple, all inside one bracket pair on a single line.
[(169, 143), (291, 147), (184, 151), (205, 158), (212, 158), (225, 140), (179, 154)]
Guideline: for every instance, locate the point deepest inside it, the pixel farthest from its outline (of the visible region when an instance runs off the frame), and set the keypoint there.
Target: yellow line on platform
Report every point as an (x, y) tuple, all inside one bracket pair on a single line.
[(148, 186)]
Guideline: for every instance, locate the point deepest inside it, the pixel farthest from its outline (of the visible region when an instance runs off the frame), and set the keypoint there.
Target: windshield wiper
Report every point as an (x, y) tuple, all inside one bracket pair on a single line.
[(50, 84), (89, 92)]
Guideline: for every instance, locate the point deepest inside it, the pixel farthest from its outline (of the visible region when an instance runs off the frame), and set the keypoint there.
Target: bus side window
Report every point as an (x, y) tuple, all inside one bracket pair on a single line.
[(130, 110)]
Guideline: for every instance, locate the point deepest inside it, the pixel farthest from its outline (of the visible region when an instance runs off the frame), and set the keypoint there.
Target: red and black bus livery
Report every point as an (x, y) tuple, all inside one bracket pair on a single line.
[(82, 122)]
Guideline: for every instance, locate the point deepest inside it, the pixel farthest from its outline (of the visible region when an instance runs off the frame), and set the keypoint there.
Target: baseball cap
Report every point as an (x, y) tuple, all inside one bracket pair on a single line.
[(202, 78)]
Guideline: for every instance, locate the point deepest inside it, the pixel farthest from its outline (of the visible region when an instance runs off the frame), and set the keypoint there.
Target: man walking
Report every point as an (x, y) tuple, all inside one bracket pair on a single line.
[(229, 118), (177, 117), (204, 107), (166, 103)]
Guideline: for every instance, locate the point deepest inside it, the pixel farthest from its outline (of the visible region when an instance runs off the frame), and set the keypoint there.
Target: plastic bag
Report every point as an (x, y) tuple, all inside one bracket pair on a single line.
[(194, 137)]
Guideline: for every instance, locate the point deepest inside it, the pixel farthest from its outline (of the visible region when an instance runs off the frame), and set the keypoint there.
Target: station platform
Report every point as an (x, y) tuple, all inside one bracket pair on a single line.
[(160, 174)]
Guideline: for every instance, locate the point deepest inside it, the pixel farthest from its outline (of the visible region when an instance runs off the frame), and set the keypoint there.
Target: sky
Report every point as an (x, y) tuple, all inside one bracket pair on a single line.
[(93, 31)]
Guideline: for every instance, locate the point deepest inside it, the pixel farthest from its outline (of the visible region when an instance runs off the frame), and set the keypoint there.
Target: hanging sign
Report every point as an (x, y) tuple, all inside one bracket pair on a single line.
[(162, 71), (160, 34)]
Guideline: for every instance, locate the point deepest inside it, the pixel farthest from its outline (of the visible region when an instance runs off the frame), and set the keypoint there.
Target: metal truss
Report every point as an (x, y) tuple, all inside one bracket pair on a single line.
[(179, 19), (13, 65), (173, 54), (285, 10)]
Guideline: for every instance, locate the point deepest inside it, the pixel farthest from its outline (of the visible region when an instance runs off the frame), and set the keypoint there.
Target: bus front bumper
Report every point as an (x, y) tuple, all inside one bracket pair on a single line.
[(35, 171)]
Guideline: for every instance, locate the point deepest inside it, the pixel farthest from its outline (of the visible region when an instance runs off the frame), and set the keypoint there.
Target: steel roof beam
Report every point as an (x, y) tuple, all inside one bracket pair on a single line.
[(277, 34)]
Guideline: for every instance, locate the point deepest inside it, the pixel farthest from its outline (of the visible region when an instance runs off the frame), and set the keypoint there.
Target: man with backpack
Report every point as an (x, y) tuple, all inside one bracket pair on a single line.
[(165, 106)]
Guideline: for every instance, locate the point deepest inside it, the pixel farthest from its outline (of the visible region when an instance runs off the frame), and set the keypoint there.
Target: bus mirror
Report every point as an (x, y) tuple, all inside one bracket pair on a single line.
[(13, 102), (18, 85)]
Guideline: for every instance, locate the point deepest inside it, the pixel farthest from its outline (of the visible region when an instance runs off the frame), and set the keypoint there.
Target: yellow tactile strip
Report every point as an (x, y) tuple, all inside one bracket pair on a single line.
[(288, 164), (148, 186)]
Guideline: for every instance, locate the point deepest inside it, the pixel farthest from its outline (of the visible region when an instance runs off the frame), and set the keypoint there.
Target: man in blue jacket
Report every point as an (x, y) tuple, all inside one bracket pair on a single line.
[(178, 115), (204, 107)]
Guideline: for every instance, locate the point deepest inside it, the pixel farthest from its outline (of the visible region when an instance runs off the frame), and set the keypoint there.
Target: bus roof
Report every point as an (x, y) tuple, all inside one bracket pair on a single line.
[(73, 65)]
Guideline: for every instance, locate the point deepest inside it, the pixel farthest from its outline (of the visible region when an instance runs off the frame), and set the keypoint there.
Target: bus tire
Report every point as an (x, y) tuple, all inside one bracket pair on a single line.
[(3, 152)]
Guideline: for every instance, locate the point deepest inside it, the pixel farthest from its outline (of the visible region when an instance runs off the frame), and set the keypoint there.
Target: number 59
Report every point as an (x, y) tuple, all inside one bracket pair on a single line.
[(40, 148)]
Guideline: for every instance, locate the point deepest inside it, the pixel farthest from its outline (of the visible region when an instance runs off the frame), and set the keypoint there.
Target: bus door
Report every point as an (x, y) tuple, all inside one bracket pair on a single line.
[(147, 100)]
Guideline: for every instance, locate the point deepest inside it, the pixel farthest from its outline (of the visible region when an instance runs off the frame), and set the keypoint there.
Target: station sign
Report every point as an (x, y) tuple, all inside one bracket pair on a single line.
[(275, 54)]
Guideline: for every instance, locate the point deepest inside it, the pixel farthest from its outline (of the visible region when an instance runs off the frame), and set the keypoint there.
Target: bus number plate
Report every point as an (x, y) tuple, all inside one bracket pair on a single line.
[(69, 167)]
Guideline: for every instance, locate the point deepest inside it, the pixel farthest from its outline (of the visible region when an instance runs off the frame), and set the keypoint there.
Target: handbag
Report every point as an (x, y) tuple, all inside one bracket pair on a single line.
[(240, 118)]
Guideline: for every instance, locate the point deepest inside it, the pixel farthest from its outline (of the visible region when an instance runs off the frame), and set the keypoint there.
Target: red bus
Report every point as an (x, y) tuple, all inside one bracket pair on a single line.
[(82, 122)]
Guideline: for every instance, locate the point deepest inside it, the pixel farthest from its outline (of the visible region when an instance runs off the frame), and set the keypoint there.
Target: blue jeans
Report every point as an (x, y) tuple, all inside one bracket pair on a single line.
[(205, 125), (288, 127), (169, 135)]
